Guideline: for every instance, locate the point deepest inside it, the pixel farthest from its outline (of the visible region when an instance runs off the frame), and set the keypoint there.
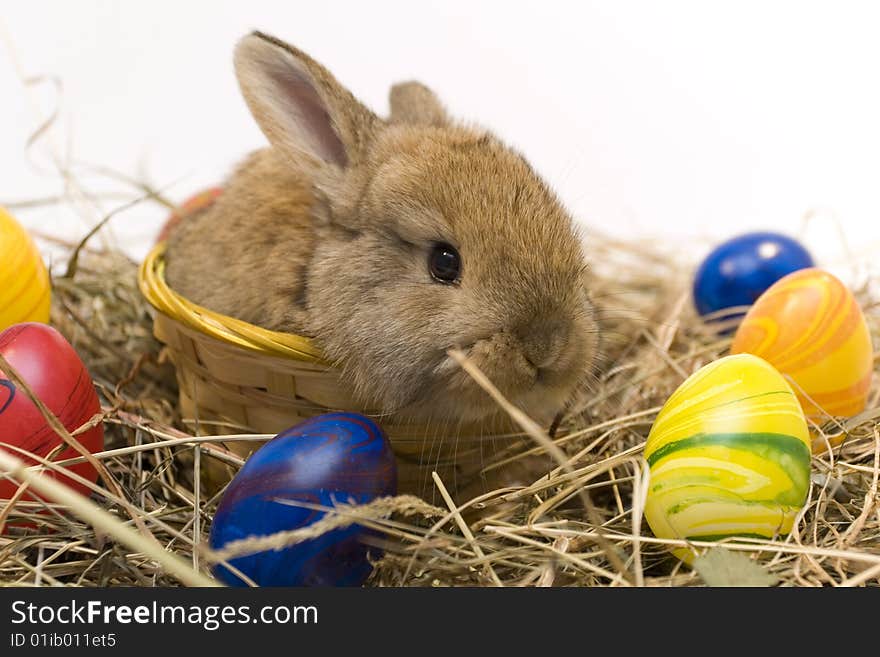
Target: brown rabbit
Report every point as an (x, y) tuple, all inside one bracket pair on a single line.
[(390, 241)]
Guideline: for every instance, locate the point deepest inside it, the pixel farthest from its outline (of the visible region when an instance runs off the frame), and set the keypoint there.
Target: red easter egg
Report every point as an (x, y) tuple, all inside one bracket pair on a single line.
[(54, 372), (190, 206)]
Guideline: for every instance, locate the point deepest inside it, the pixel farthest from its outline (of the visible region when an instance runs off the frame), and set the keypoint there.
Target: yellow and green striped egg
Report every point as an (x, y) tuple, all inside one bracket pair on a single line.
[(729, 455), (24, 281)]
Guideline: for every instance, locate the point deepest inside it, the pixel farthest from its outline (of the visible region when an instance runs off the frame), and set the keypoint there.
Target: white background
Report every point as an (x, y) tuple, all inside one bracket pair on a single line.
[(667, 120)]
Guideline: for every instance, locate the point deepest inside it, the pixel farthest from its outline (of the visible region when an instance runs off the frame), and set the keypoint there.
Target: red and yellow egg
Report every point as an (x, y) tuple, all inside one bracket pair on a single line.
[(46, 362)]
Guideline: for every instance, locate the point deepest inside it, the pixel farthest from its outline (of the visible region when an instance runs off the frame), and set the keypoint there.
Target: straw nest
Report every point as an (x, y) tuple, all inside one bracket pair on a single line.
[(581, 524)]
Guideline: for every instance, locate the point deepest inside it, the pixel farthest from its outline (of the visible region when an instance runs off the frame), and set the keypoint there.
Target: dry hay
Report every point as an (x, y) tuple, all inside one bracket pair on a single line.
[(580, 525)]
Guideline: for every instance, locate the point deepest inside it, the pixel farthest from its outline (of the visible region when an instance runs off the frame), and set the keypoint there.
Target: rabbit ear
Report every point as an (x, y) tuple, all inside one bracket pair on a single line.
[(414, 103), (298, 104)]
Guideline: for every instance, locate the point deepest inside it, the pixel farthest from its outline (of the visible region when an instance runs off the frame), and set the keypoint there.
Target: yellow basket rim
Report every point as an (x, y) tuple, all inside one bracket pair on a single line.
[(151, 280)]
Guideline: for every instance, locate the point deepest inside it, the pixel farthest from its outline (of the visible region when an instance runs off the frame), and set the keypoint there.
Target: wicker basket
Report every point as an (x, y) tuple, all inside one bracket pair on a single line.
[(237, 377)]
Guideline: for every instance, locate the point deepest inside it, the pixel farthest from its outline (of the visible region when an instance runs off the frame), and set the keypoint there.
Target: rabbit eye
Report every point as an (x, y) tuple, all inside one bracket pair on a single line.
[(444, 263)]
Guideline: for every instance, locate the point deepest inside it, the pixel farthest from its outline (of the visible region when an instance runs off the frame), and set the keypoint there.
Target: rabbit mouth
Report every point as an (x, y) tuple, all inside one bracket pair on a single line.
[(540, 391)]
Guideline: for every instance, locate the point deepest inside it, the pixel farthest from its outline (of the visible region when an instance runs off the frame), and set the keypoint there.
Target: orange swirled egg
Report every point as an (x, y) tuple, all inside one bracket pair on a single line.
[(809, 326), (24, 281)]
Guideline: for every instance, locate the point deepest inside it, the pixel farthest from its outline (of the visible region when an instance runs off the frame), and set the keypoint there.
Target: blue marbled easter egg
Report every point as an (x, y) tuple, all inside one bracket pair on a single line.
[(327, 460), (738, 271)]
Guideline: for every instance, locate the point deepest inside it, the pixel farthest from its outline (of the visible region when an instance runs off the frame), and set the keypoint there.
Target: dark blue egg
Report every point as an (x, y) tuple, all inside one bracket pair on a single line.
[(328, 459), (738, 271)]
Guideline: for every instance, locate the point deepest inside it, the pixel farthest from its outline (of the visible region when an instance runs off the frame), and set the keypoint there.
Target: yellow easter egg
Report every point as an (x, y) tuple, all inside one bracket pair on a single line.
[(809, 326), (729, 455), (24, 281)]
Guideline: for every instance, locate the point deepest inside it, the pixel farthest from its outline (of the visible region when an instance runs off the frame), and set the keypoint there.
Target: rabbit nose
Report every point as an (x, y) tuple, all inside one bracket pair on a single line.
[(544, 341)]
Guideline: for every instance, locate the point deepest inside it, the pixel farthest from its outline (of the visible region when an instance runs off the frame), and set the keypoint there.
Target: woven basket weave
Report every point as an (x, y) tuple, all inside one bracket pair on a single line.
[(237, 377)]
